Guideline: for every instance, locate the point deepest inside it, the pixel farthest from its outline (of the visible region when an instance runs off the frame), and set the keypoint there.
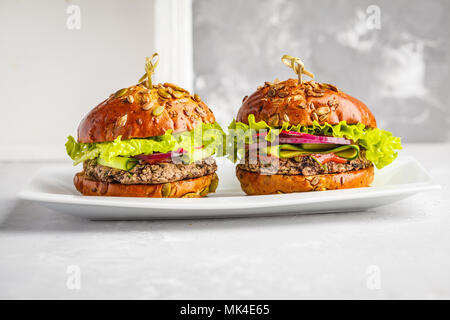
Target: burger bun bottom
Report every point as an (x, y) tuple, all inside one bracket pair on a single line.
[(191, 188), (256, 184)]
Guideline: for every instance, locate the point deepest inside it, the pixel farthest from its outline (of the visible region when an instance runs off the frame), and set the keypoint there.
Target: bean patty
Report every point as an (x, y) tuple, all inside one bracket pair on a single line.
[(303, 165), (144, 173)]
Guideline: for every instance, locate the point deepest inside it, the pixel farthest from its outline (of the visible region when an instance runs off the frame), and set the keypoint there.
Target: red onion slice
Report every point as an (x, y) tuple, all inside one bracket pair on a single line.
[(161, 157), (297, 134), (293, 137), (316, 140)]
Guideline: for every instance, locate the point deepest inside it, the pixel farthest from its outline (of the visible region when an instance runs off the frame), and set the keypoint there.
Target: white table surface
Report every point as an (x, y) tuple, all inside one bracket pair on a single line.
[(397, 251)]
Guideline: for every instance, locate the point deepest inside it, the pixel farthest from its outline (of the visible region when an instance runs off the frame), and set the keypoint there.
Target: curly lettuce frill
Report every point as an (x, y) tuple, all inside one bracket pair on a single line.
[(208, 136), (380, 145)]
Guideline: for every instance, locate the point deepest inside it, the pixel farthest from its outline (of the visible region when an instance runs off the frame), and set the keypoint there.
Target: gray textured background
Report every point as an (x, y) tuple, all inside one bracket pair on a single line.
[(401, 71)]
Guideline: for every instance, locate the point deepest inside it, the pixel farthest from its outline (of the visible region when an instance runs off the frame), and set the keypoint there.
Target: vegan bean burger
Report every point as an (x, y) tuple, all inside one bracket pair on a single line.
[(295, 136), (147, 140)]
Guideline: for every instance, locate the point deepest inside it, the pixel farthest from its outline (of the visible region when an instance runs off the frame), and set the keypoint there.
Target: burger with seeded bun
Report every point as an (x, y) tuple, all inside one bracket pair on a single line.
[(148, 140), (296, 136)]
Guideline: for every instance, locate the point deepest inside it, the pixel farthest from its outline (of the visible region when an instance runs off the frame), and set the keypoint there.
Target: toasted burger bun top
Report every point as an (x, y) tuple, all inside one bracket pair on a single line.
[(288, 101), (139, 112)]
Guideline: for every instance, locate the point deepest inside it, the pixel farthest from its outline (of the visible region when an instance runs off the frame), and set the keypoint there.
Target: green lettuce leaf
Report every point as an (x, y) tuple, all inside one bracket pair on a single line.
[(210, 136), (380, 145)]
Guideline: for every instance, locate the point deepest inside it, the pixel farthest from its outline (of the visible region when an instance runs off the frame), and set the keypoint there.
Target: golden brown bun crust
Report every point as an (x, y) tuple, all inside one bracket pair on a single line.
[(255, 184), (287, 101), (131, 115), (191, 188)]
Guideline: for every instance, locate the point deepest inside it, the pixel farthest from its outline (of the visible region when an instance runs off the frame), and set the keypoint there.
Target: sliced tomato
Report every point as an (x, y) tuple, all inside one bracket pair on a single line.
[(328, 157)]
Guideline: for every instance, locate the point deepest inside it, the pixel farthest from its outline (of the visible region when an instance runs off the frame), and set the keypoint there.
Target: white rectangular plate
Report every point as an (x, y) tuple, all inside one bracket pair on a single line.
[(53, 188)]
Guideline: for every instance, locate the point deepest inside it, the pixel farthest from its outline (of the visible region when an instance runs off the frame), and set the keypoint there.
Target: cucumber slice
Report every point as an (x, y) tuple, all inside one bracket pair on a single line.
[(319, 146), (291, 154), (291, 147), (121, 163), (348, 154)]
